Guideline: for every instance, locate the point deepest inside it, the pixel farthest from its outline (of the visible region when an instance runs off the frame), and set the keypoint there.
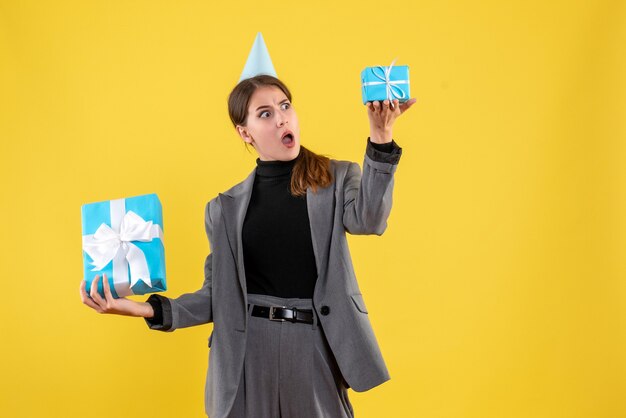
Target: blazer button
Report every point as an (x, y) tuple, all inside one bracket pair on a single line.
[(325, 310)]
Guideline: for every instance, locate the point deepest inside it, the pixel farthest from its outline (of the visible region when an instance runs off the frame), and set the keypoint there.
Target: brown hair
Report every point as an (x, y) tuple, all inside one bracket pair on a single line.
[(310, 168)]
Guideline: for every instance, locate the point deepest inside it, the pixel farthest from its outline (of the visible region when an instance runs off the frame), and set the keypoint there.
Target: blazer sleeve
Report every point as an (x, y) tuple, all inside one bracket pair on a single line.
[(367, 197), (191, 308)]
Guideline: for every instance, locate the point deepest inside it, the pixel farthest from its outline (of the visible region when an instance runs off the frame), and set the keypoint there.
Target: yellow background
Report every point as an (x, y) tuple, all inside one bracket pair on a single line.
[(498, 289)]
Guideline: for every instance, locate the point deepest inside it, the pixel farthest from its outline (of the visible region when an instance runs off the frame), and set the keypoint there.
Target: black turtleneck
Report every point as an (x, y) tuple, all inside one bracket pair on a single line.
[(277, 248)]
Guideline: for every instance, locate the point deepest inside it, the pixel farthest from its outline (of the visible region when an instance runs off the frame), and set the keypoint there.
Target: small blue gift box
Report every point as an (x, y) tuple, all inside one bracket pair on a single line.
[(123, 238), (380, 83)]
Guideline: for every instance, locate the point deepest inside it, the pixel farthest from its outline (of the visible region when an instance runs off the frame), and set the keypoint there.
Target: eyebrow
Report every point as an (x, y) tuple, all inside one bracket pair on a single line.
[(264, 106)]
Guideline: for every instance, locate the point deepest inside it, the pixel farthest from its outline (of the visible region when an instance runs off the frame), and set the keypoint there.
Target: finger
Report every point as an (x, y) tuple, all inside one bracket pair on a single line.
[(83, 293), (386, 104), (93, 305), (406, 105), (376, 105), (85, 297), (90, 302), (95, 296), (107, 289), (94, 286)]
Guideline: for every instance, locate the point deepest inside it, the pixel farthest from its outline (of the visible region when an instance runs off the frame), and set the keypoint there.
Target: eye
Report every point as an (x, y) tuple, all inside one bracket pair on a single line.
[(288, 105), (262, 113)]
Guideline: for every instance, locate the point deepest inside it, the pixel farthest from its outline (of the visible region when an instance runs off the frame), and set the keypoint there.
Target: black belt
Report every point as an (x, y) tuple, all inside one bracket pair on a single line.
[(282, 313)]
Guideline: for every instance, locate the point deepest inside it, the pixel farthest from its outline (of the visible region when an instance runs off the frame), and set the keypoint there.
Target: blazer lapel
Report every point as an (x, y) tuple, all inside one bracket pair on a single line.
[(320, 207), (234, 204)]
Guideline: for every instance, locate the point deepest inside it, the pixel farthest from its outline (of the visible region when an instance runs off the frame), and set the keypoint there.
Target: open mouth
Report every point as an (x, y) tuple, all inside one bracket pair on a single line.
[(287, 138)]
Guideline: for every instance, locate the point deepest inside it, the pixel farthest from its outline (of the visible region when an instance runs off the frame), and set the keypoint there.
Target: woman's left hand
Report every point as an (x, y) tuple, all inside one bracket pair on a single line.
[(382, 116)]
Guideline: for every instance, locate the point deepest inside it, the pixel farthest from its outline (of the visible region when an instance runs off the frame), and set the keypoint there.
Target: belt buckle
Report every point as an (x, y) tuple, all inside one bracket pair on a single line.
[(272, 308)]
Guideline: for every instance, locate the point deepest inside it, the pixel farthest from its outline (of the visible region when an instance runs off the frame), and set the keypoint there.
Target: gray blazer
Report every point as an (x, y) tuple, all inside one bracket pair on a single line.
[(358, 204)]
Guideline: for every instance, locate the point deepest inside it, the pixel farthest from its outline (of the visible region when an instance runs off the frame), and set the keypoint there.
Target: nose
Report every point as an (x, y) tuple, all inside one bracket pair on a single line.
[(281, 120)]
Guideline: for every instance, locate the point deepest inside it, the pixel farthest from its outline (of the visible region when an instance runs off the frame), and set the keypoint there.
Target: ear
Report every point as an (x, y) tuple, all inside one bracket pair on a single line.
[(243, 133)]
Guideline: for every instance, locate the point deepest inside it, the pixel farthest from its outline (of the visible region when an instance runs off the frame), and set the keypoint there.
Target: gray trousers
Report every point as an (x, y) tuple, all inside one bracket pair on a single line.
[(289, 370)]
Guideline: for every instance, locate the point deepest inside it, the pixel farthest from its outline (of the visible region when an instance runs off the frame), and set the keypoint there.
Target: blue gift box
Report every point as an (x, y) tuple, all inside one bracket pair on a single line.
[(123, 238), (380, 83)]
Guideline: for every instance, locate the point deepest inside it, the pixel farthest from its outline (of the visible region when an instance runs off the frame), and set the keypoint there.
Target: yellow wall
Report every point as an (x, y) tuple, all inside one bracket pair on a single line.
[(498, 289)]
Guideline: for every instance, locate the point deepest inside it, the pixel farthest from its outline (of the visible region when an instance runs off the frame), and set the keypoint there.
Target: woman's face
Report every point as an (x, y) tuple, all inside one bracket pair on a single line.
[(270, 117)]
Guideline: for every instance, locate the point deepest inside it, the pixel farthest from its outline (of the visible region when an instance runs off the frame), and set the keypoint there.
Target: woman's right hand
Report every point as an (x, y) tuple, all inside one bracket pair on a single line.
[(110, 305)]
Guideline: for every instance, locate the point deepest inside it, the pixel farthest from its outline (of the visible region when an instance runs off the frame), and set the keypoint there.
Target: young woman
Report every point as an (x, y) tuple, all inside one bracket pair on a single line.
[(291, 331)]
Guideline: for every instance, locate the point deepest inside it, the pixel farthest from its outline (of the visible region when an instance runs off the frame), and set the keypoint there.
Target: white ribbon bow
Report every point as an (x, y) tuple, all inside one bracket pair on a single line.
[(114, 243), (390, 85)]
